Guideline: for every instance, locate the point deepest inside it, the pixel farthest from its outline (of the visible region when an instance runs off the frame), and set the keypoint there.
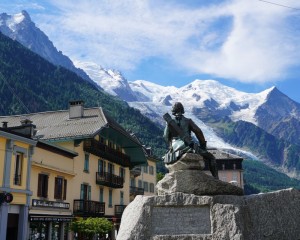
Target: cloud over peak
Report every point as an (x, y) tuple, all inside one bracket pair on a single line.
[(249, 41)]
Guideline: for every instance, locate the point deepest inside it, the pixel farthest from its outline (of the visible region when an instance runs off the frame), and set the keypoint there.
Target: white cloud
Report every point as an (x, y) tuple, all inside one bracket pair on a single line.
[(249, 41)]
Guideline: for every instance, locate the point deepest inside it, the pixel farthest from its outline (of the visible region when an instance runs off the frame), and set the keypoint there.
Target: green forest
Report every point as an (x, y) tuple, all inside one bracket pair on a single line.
[(260, 178)]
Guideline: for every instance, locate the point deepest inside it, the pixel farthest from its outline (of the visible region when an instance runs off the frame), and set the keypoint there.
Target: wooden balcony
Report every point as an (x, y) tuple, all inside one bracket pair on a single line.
[(101, 150), (88, 208), (134, 191), (119, 209), (109, 180)]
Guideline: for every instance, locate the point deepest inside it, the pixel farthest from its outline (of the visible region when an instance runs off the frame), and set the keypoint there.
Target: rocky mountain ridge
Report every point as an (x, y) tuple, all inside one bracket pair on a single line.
[(21, 28)]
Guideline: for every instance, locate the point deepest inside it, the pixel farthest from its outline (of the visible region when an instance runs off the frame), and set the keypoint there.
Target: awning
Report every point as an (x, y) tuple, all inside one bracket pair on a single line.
[(131, 147)]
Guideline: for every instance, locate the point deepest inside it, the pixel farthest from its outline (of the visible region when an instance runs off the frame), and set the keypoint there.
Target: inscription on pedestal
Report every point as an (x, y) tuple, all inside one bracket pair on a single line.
[(171, 220)]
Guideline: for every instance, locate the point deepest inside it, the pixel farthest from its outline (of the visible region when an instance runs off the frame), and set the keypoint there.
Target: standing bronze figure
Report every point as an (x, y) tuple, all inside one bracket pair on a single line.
[(178, 135)]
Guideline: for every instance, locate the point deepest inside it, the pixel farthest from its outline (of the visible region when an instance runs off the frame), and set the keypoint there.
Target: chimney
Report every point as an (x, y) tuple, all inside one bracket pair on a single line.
[(76, 109), (4, 124), (25, 121), (26, 128)]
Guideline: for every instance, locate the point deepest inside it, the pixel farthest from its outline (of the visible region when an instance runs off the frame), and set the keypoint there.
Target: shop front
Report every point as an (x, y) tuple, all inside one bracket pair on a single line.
[(49, 220)]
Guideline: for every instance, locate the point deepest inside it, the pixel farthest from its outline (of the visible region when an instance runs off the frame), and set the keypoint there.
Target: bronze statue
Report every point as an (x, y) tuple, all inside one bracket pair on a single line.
[(178, 135)]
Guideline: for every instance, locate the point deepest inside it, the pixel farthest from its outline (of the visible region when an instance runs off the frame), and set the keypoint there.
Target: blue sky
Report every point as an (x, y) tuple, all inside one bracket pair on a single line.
[(247, 44)]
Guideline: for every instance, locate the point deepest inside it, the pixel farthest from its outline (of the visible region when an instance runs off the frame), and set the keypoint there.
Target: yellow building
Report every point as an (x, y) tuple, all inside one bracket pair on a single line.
[(100, 172), (16, 151), (143, 178), (52, 175)]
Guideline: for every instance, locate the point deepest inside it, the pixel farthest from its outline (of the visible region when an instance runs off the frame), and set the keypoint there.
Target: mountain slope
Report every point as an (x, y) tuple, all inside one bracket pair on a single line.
[(260, 178), (115, 84), (28, 79), (264, 124), (20, 27), (280, 116)]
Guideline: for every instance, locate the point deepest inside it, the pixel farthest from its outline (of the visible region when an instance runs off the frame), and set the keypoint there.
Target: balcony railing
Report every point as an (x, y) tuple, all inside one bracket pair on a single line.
[(136, 191), (101, 150), (119, 209), (88, 208), (109, 180), (17, 179)]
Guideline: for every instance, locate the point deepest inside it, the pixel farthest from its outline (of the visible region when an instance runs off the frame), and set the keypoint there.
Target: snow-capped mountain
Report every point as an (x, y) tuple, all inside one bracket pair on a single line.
[(19, 27), (270, 109), (115, 84), (270, 119)]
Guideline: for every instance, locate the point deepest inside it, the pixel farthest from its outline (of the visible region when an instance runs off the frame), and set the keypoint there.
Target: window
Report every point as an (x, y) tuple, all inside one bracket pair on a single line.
[(111, 168), (152, 187), (60, 188), (121, 198), (145, 169), (43, 185), (146, 187), (151, 170), (86, 162), (101, 166), (234, 176), (18, 168), (85, 192), (122, 173), (110, 198), (140, 184), (101, 195), (132, 182)]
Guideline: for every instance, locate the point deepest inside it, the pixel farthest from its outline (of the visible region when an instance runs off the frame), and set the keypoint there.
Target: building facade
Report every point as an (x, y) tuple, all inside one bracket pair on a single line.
[(143, 179), (229, 167), (81, 167), (52, 179), (16, 152)]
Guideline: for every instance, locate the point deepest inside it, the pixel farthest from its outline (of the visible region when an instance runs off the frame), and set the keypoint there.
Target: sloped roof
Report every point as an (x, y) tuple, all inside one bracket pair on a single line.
[(222, 155), (56, 125)]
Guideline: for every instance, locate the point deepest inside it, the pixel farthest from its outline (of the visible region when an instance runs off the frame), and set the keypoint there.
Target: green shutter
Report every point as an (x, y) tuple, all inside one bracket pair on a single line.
[(81, 191), (89, 193)]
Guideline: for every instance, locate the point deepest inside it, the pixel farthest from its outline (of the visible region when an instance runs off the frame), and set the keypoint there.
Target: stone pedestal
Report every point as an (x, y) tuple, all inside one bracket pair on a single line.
[(194, 206), (186, 176), (180, 216)]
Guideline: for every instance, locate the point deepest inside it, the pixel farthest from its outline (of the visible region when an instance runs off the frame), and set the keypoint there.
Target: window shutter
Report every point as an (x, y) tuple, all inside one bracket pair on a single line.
[(81, 191), (56, 189), (40, 185), (65, 189), (46, 185), (89, 193)]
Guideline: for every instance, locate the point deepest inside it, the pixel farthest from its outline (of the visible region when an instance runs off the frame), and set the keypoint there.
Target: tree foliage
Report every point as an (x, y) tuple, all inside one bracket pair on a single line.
[(88, 228)]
